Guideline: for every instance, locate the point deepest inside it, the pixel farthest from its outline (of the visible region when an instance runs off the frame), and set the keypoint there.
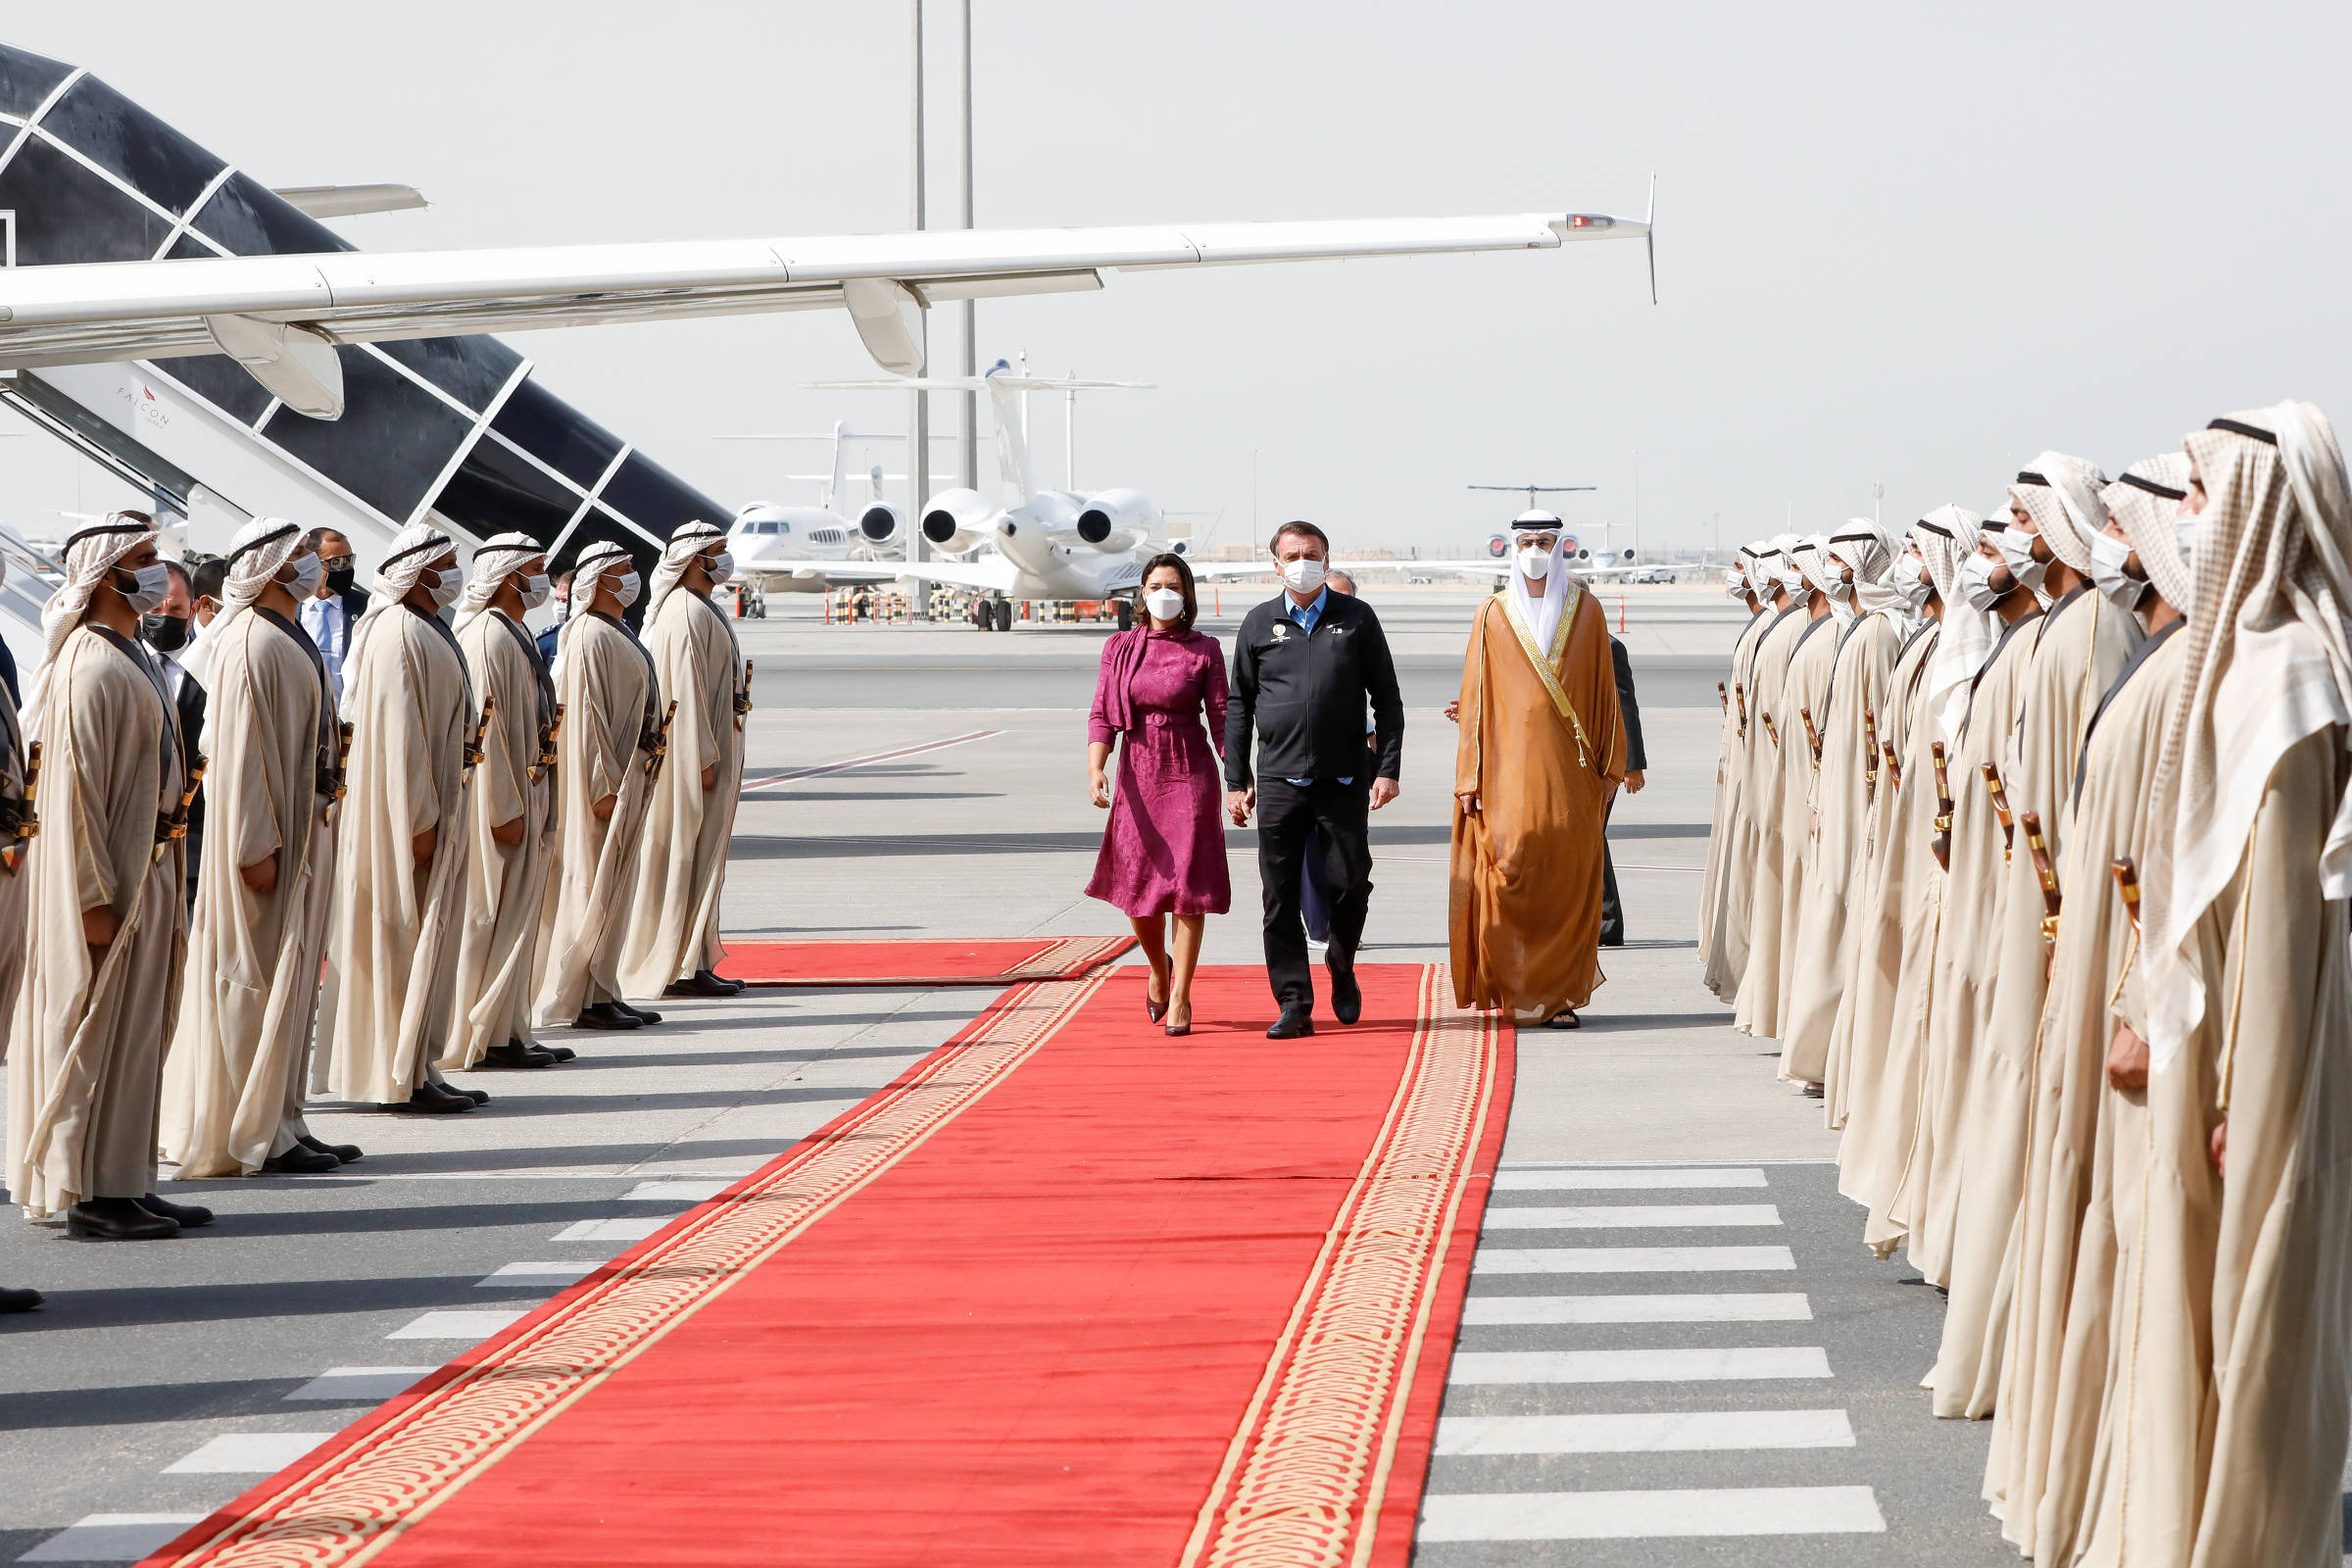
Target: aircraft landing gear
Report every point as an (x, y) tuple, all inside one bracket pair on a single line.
[(1002, 613), (1126, 615)]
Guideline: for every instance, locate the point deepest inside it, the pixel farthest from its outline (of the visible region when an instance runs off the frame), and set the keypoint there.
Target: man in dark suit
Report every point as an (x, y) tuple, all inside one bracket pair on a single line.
[(331, 615), (169, 631), (1305, 664), (1612, 914)]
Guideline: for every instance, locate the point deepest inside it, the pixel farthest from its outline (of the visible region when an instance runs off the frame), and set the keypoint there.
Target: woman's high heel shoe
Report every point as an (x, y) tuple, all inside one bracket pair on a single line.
[(1179, 1029), (1154, 1010)]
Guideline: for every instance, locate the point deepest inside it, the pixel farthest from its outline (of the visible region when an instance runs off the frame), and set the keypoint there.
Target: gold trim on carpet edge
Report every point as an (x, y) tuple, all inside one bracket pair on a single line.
[(357, 1501), (1307, 1472), (1062, 958)]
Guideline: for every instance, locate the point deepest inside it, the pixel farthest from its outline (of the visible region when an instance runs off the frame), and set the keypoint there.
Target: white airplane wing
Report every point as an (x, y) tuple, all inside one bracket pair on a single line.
[(280, 315), (1210, 570), (991, 572)]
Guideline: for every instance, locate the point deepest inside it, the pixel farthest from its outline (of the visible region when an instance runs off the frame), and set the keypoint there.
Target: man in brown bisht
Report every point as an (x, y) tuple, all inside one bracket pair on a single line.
[(1744, 582), (2244, 1002), (510, 811), (1843, 782), (240, 1063), (2045, 1416), (605, 681), (1783, 811), (1960, 976), (1541, 754), (673, 946), (400, 839), (2080, 647), (106, 907)]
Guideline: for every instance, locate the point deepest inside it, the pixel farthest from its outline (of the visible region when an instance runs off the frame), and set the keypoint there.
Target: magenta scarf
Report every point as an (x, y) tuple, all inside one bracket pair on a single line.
[(1122, 656)]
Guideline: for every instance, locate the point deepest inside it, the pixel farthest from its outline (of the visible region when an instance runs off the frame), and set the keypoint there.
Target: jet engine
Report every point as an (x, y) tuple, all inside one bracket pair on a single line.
[(956, 520), (1113, 520), (881, 523)]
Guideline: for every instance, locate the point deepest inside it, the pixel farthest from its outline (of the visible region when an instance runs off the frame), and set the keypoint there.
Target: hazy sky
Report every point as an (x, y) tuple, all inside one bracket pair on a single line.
[(1898, 243)]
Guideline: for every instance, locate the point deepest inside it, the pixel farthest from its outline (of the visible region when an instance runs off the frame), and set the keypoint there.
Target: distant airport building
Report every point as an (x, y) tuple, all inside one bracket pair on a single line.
[(453, 427)]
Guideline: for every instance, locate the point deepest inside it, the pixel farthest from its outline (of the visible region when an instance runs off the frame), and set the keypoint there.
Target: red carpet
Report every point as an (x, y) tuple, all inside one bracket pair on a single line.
[(1067, 1292), (926, 963)]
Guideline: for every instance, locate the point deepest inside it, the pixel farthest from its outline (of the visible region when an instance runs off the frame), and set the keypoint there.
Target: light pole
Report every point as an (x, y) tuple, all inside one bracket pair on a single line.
[(971, 356), (918, 471)]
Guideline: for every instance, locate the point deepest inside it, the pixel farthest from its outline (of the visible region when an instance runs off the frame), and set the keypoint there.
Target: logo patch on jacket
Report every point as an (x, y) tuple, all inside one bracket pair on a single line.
[(1282, 631)]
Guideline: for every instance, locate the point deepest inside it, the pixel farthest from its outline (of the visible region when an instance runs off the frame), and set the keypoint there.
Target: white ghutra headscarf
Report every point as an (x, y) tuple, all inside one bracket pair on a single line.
[(1541, 612), (88, 557), (690, 541), (493, 564), (255, 556), (2145, 500)]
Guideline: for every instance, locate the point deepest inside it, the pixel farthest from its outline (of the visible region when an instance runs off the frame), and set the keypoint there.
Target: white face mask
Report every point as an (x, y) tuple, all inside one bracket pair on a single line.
[(2184, 530), (535, 589), (309, 573), (2107, 557), (1534, 563), (1163, 604), (720, 567), (1304, 574), (1838, 589), (1911, 582), (151, 585), (626, 587), (1976, 583), (447, 585), (2017, 552), (1734, 583)]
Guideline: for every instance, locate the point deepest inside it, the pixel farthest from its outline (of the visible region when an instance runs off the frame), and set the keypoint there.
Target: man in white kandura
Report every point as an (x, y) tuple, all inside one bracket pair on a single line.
[(510, 811), (233, 1087), (107, 911), (673, 946), (610, 765), (392, 965)]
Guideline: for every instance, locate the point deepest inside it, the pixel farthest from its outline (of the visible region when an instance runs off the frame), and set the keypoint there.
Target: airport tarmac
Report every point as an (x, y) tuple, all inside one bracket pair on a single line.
[(950, 801)]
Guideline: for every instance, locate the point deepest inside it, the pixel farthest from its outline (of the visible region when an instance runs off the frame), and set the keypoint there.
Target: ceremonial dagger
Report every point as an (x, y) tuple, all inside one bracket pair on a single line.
[(28, 825), (1812, 737), (2127, 883), (2045, 873), (2000, 806), (1941, 843)]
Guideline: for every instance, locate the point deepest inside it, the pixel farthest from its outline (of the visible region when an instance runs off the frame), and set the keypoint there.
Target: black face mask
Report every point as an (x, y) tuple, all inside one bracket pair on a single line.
[(341, 574), (166, 634)]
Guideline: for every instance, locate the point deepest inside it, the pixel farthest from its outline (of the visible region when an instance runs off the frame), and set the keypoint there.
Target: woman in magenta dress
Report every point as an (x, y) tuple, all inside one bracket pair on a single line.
[(1163, 854)]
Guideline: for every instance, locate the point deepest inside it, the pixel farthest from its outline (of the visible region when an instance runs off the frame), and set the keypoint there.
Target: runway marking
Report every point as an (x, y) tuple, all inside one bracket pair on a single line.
[(1706, 1364), (538, 1274), (1632, 1217), (1628, 1515), (676, 1192), (112, 1537), (1489, 1310), (611, 1230), (1534, 1180), (1630, 1259), (473, 1325), (353, 1384), (794, 774), (240, 1453), (1646, 1431)]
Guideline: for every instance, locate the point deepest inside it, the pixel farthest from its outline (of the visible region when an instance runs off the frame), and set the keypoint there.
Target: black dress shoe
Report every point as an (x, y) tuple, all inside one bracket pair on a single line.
[(1613, 938), (302, 1161), (641, 1015), (116, 1219), (1565, 1018), (734, 987), (187, 1217), (13, 1301), (559, 1052), (605, 1016), (1293, 1023), (516, 1054), (1347, 996), (430, 1098), (480, 1096), (344, 1152), (701, 983)]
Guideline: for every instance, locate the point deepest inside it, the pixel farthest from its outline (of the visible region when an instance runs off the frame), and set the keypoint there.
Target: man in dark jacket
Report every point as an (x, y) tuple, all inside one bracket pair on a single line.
[(1305, 664), (1612, 914), (329, 615)]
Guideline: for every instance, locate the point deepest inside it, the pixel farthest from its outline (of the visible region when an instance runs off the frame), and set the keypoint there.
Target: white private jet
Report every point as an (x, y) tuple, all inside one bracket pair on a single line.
[(1038, 544)]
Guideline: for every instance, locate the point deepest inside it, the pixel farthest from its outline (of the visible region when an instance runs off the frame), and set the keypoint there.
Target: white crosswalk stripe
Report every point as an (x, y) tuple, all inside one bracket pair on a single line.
[(1547, 1386)]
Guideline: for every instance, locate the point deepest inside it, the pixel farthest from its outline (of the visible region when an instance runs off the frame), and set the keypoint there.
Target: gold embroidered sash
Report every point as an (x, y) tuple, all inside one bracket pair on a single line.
[(1547, 665)]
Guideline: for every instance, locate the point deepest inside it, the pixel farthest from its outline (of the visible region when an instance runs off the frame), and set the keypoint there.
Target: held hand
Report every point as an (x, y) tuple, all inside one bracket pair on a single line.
[(1098, 788), (261, 876), (422, 846), (99, 925), (1453, 711), (507, 832), (2127, 1060), (1469, 802), (1239, 803), (2221, 1149), (709, 775), (1633, 782), (1384, 790), (604, 808)]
